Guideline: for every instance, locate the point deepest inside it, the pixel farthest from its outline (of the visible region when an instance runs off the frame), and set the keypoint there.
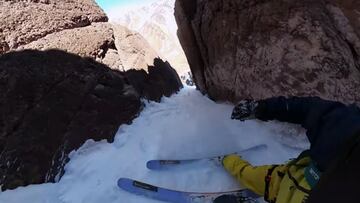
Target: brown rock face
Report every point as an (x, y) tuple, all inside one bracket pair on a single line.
[(92, 41), (22, 22), (256, 49), (134, 51), (77, 27)]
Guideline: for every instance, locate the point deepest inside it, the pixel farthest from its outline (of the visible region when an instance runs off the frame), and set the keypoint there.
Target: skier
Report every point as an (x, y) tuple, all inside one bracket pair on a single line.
[(332, 129)]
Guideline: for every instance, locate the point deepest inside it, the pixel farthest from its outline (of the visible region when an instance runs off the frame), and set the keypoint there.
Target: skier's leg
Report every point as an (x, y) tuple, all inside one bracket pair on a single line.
[(249, 176)]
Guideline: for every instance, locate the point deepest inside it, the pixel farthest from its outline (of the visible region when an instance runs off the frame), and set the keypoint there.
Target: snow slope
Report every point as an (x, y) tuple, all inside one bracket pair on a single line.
[(186, 125)]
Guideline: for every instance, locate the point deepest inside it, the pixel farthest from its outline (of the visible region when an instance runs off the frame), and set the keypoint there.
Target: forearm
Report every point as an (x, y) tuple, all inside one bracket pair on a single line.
[(249, 176), (299, 110)]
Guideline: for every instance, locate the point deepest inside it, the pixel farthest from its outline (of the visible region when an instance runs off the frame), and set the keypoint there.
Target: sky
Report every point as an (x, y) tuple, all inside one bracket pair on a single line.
[(109, 4)]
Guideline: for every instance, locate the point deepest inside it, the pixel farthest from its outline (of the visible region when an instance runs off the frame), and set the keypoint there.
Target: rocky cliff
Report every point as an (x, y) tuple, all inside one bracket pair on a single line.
[(52, 101), (135, 51), (256, 49)]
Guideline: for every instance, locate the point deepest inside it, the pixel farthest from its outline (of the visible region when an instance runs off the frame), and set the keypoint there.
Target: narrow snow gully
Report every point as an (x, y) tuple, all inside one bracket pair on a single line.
[(186, 125)]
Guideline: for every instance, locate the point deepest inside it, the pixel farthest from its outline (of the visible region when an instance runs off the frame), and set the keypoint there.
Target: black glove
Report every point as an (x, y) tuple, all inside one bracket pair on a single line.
[(244, 110)]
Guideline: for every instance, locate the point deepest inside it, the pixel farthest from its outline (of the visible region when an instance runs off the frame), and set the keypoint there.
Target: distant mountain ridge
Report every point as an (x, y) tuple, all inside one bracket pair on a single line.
[(156, 23)]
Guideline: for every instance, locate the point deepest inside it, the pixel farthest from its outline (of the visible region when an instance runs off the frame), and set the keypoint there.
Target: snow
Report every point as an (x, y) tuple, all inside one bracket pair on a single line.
[(185, 125)]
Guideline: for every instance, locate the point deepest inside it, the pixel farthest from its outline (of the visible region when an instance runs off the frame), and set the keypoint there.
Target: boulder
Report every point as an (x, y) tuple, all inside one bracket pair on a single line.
[(22, 22), (78, 27), (257, 49), (91, 41)]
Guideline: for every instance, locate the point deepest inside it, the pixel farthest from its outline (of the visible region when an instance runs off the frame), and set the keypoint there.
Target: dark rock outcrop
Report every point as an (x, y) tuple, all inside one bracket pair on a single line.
[(161, 80), (52, 102), (256, 49)]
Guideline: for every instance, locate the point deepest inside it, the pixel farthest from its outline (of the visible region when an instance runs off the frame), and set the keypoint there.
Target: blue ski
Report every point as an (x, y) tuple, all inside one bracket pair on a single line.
[(168, 195), (162, 164)]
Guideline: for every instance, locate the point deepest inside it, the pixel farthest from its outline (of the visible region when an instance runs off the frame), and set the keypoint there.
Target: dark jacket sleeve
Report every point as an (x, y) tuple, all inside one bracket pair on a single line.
[(329, 124), (306, 111)]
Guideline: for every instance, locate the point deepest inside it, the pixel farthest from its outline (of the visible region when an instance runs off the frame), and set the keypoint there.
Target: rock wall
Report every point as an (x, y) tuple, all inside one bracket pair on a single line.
[(256, 49), (52, 101), (351, 9)]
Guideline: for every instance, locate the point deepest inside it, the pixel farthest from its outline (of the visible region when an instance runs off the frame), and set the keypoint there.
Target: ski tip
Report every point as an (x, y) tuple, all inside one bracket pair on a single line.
[(135, 186), (162, 164), (153, 165), (124, 182)]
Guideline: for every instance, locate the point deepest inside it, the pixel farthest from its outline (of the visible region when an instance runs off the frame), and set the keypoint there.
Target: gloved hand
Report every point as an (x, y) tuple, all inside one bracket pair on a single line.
[(219, 160), (244, 110)]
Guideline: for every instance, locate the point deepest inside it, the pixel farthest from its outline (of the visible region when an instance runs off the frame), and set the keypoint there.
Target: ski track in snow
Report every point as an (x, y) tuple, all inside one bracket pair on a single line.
[(186, 125)]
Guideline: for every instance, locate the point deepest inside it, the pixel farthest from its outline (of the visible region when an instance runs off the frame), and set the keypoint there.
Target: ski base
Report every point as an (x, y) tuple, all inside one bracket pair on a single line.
[(168, 195)]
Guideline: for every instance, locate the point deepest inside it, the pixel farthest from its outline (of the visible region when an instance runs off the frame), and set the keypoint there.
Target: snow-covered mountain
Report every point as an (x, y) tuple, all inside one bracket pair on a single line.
[(156, 23)]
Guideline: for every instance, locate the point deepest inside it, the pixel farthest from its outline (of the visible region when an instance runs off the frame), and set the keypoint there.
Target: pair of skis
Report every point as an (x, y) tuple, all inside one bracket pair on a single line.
[(168, 195)]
